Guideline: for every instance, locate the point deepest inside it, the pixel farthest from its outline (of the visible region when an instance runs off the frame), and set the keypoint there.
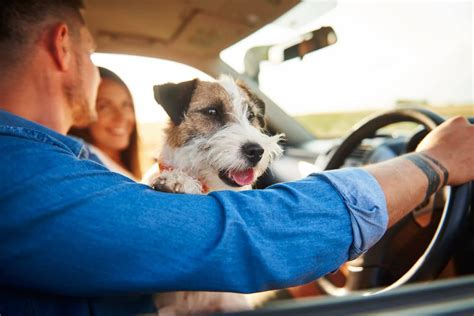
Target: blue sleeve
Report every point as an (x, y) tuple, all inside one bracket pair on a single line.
[(365, 201), (71, 227)]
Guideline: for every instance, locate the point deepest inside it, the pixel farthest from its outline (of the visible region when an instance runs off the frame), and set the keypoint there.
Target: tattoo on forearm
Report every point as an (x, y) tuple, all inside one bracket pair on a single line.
[(440, 166), (431, 174)]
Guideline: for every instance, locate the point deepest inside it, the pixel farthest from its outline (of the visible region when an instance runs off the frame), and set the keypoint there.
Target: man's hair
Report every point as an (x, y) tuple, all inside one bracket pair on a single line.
[(21, 21)]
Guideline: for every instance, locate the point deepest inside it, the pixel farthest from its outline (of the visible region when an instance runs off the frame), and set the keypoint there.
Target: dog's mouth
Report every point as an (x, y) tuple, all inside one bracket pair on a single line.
[(238, 178)]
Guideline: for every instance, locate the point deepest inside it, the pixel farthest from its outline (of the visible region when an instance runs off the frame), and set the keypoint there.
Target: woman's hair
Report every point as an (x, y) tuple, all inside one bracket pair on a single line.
[(130, 155)]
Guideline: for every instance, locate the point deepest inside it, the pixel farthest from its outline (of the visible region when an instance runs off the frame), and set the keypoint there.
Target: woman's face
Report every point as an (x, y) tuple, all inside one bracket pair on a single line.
[(115, 117)]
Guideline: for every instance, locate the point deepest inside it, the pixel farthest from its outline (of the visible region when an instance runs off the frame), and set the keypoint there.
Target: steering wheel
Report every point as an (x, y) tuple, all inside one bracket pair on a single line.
[(375, 268)]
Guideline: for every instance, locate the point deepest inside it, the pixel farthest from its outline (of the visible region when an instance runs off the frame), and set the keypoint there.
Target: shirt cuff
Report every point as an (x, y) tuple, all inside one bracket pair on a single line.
[(366, 203)]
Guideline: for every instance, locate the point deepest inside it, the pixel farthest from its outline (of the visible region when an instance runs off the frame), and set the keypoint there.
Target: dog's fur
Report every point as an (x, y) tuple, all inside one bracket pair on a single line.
[(215, 141)]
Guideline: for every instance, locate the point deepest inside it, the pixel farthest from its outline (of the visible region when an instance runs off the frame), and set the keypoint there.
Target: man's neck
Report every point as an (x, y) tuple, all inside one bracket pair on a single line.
[(52, 121), (34, 98)]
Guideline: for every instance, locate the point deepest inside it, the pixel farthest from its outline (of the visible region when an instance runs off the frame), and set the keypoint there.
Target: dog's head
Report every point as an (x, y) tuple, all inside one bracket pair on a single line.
[(216, 132)]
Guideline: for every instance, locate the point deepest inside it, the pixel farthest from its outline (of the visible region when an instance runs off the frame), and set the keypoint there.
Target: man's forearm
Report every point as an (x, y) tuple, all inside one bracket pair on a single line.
[(407, 182)]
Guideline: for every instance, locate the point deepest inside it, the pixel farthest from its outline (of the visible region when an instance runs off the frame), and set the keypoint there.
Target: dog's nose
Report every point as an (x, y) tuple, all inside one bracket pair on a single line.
[(253, 152)]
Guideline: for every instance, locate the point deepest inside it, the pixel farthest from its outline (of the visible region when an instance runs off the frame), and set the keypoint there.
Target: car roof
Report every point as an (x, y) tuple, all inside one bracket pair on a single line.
[(192, 32)]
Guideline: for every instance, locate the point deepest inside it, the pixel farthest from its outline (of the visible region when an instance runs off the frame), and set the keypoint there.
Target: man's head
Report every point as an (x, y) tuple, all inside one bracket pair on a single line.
[(53, 33)]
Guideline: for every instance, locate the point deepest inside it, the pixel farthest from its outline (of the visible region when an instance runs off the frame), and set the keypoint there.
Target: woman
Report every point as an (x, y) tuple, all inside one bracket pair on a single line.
[(113, 136)]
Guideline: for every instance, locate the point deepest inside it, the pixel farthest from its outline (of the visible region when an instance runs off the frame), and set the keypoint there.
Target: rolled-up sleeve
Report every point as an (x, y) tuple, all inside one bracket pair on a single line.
[(366, 204)]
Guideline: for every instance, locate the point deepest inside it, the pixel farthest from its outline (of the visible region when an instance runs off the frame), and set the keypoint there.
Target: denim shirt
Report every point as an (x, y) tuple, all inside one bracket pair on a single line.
[(78, 239)]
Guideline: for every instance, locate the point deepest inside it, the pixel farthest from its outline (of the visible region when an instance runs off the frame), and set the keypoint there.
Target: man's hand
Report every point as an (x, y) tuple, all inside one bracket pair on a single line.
[(452, 144)]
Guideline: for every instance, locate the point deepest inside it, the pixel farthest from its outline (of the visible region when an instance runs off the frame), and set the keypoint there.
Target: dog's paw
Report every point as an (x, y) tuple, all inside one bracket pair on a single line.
[(176, 181)]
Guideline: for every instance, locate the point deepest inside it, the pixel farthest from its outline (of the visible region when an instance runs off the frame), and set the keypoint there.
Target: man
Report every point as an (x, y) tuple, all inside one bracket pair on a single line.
[(76, 239)]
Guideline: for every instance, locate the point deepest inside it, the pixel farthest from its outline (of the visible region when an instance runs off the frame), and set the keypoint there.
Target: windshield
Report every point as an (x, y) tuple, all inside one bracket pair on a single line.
[(388, 54)]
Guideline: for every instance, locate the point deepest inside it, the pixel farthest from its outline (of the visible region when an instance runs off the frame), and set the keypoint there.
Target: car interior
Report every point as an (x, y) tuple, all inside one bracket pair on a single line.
[(425, 263)]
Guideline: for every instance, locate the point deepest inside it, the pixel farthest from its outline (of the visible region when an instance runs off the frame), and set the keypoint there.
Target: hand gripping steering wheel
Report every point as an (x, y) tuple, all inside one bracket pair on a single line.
[(387, 265)]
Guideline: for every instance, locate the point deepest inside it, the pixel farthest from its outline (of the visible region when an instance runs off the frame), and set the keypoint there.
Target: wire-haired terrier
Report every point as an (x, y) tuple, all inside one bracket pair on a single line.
[(215, 140)]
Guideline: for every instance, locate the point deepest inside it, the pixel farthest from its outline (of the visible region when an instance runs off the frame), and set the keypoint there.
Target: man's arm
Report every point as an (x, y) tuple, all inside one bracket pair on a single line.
[(405, 185), (71, 227)]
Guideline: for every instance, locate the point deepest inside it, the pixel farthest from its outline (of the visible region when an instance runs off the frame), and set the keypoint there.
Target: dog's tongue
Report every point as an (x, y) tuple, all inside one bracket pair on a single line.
[(243, 177)]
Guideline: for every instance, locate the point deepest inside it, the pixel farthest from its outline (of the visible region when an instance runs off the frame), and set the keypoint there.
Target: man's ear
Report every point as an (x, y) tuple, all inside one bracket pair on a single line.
[(60, 45), (175, 98)]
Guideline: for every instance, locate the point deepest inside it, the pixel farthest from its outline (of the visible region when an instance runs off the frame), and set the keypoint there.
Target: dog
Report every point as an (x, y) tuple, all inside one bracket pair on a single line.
[(215, 140)]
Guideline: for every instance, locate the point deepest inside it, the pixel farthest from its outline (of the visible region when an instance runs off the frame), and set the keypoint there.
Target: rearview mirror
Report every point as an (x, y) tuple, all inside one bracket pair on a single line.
[(309, 42), (312, 41)]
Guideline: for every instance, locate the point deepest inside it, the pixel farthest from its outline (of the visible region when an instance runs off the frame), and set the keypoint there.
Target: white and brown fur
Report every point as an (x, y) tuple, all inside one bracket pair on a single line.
[(216, 128)]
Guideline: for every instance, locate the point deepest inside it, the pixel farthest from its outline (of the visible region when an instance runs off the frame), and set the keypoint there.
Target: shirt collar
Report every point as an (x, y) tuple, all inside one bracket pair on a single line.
[(74, 144)]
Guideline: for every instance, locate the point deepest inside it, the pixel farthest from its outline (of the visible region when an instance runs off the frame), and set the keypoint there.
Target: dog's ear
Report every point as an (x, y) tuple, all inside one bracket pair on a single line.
[(252, 96), (175, 98)]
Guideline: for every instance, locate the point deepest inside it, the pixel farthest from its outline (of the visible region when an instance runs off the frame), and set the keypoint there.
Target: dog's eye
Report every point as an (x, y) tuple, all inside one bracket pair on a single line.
[(211, 111), (250, 115)]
